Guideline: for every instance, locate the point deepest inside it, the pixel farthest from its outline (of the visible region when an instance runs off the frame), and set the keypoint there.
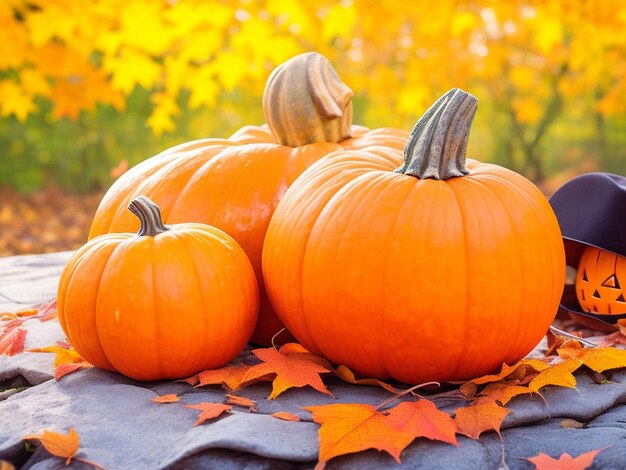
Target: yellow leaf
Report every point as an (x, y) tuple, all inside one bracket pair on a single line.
[(161, 118), (548, 33), (50, 22), (597, 359), (339, 22), (34, 82), (132, 68), (559, 374), (15, 100), (527, 110)]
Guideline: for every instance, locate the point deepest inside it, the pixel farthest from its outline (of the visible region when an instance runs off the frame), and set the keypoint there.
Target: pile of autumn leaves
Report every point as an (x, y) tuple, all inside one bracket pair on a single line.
[(347, 428)]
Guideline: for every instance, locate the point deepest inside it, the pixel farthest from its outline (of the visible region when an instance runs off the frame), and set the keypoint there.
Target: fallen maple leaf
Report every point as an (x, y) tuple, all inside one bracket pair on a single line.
[(503, 392), (297, 348), (60, 445), (169, 398), (559, 374), (517, 371), (422, 419), (286, 416), (241, 401), (477, 418), (347, 375), (63, 355), (65, 368), (597, 359), (350, 428), (229, 376), (291, 370), (565, 462), (12, 341), (209, 411), (468, 390)]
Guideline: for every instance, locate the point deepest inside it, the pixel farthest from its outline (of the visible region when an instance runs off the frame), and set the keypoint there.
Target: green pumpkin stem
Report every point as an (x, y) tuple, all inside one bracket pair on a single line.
[(149, 215), (437, 144)]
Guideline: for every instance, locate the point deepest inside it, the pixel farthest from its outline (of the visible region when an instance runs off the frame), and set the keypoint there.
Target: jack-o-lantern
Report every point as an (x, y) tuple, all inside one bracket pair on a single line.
[(601, 282), (591, 210)]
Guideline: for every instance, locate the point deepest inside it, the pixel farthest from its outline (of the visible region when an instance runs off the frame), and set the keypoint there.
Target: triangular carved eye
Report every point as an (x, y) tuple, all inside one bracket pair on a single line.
[(585, 278), (611, 281), (620, 298)]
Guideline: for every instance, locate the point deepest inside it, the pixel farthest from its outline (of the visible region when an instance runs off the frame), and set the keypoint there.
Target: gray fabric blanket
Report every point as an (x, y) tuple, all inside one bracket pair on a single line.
[(121, 428)]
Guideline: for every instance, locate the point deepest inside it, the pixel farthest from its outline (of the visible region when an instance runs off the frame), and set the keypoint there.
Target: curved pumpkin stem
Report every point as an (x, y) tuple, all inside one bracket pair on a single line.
[(437, 145), (305, 101), (149, 215)]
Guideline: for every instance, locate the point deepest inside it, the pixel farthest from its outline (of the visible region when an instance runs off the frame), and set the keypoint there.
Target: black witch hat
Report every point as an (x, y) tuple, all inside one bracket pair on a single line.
[(591, 210)]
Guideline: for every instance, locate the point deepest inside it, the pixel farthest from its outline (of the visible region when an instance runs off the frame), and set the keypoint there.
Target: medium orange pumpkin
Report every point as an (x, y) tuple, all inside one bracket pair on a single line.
[(601, 282), (163, 304), (431, 271), (234, 184)]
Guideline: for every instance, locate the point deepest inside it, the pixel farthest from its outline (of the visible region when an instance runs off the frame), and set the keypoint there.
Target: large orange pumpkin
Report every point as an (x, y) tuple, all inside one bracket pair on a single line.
[(234, 184), (163, 304), (431, 271)]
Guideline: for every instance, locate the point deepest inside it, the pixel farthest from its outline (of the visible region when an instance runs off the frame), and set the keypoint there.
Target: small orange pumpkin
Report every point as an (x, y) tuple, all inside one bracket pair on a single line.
[(163, 304), (234, 184), (601, 282), (435, 270)]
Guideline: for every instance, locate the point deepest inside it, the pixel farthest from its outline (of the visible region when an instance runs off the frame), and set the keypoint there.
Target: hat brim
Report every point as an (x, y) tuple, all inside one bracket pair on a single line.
[(569, 304)]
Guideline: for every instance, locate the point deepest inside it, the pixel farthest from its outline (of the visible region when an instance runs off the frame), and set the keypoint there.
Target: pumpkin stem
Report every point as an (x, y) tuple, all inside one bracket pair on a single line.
[(149, 215), (437, 144), (305, 101)]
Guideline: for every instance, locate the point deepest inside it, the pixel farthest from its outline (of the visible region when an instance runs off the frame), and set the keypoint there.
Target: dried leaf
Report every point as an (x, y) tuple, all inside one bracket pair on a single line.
[(565, 461), (60, 445), (347, 375), (503, 392), (422, 419), (229, 376), (559, 374), (350, 428), (298, 349), (468, 390), (64, 369), (169, 398), (286, 416), (571, 424), (12, 341), (291, 370), (241, 401), (517, 371), (473, 420), (209, 411)]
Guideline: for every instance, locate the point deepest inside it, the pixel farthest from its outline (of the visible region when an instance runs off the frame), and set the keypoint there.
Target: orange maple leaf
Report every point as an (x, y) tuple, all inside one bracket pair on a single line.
[(12, 340), (503, 392), (565, 462), (347, 375), (516, 371), (66, 368), (422, 419), (209, 410), (286, 416), (241, 401), (169, 398), (597, 359), (230, 376), (350, 428), (62, 445), (477, 418), (63, 354), (291, 370), (559, 374)]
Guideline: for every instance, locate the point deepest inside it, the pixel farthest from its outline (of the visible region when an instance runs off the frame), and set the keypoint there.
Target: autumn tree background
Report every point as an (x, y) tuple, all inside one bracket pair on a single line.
[(86, 87)]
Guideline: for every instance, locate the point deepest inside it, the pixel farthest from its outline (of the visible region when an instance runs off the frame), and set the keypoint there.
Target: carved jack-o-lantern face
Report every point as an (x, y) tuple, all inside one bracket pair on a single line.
[(601, 282)]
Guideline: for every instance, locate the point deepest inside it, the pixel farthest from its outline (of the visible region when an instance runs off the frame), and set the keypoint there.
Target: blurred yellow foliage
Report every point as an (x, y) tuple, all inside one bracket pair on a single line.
[(517, 54)]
